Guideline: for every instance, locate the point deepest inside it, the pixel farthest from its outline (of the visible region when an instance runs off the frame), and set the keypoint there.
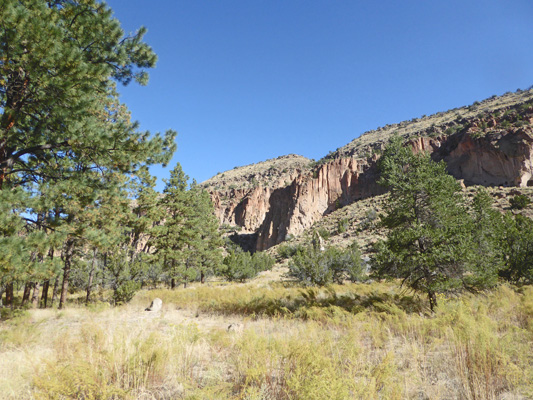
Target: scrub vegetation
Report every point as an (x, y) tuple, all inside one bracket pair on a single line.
[(438, 306), (276, 341)]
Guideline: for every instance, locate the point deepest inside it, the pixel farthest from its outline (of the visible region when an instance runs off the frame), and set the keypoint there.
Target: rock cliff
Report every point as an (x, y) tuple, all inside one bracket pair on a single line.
[(488, 143), (315, 194)]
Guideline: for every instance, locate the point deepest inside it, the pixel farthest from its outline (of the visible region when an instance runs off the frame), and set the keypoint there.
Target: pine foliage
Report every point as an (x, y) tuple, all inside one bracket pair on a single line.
[(314, 266), (430, 246), (187, 243), (67, 144)]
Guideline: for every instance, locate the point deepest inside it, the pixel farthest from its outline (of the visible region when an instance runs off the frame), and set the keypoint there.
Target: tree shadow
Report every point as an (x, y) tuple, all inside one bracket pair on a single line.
[(323, 303)]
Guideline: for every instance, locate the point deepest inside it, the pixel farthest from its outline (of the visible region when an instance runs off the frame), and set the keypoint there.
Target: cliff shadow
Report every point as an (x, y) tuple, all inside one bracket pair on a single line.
[(274, 228), (246, 241)]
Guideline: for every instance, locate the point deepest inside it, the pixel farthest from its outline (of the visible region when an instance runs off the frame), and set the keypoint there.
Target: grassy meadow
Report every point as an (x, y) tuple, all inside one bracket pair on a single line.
[(275, 341)]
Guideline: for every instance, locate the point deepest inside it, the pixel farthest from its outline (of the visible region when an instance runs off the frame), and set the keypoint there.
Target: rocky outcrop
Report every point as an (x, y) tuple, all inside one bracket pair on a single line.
[(275, 212), (489, 148), (310, 197), (241, 196), (497, 159)]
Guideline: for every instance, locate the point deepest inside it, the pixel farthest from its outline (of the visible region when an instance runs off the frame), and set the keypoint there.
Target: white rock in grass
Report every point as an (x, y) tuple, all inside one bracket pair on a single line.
[(235, 327), (156, 305)]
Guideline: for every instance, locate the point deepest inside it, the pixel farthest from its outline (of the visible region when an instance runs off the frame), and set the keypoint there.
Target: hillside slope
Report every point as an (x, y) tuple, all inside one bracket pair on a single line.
[(489, 143), (359, 221)]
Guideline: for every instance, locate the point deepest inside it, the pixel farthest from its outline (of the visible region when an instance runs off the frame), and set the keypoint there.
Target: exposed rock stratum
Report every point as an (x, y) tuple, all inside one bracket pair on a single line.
[(489, 143)]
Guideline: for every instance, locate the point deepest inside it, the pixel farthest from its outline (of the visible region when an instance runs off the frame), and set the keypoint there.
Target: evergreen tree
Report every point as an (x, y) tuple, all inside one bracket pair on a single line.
[(172, 236), (77, 203), (429, 245), (14, 252), (146, 213), (107, 233), (238, 265), (313, 265), (205, 249), (61, 123), (486, 256), (517, 246), (59, 64), (188, 242)]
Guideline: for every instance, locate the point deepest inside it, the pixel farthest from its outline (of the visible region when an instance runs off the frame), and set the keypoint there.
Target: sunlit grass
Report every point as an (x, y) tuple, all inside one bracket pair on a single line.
[(357, 341)]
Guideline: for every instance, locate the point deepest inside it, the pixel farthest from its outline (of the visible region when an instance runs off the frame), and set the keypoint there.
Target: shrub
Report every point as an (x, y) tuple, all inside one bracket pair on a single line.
[(262, 261), (8, 313), (241, 265), (125, 292), (520, 202), (312, 266), (342, 225), (505, 124), (324, 233), (369, 219), (287, 250)]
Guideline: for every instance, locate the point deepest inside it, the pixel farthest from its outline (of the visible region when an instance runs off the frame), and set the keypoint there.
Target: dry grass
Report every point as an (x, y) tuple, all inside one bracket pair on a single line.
[(346, 342), (277, 172)]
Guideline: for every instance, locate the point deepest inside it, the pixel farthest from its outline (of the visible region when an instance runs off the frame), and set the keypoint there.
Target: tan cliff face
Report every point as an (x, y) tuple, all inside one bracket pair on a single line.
[(275, 212), (241, 196), (494, 160), (310, 197), (242, 207), (488, 148)]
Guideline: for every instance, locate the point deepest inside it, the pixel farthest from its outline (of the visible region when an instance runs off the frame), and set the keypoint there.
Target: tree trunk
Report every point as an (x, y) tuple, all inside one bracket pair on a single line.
[(91, 277), (66, 272), (54, 291), (35, 297), (26, 295), (432, 300), (44, 297), (9, 295)]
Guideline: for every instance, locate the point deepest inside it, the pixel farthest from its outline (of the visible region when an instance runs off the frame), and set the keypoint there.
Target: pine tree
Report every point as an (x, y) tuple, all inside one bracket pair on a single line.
[(107, 230), (188, 242), (172, 236), (14, 253), (61, 123), (517, 245), (429, 245), (206, 248), (75, 202), (486, 256), (59, 64), (146, 213)]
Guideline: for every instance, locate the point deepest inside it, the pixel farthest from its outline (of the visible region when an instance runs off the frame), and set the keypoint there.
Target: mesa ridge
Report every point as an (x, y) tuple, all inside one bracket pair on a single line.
[(488, 143)]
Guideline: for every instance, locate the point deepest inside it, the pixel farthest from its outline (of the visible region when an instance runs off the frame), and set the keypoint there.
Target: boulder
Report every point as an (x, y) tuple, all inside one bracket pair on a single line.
[(156, 305), (234, 327)]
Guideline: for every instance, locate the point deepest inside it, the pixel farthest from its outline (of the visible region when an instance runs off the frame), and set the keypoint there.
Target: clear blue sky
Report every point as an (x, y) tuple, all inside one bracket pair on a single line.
[(244, 81)]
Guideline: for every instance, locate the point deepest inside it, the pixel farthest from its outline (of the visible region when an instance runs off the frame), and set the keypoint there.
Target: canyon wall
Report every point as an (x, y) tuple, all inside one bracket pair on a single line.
[(484, 150)]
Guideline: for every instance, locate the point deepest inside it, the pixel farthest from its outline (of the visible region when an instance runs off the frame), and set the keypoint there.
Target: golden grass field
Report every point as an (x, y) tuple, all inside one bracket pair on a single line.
[(274, 340)]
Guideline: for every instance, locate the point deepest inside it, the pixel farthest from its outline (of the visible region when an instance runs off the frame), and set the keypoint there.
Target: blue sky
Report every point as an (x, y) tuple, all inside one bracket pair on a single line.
[(245, 81)]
